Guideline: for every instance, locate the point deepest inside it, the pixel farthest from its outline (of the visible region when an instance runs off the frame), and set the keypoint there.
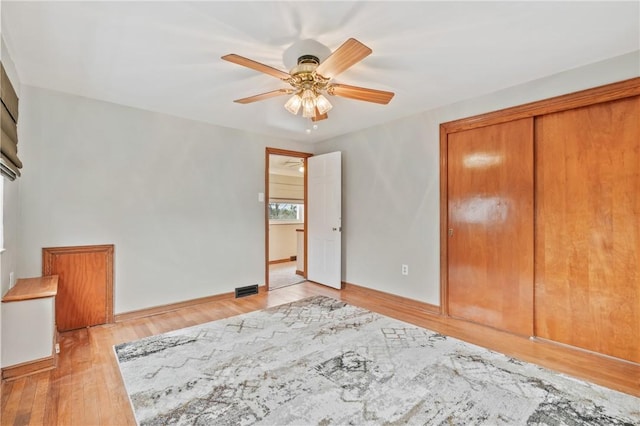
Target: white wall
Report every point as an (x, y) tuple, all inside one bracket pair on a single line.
[(10, 191), (391, 183), (178, 198), (283, 240), (158, 187), (8, 202), (28, 330), (10, 220)]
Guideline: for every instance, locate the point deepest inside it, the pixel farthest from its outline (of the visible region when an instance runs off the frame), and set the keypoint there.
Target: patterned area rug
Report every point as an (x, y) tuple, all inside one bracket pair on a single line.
[(322, 361)]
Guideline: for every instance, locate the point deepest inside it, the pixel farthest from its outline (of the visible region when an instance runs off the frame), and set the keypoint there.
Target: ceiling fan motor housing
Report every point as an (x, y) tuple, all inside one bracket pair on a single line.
[(308, 59), (303, 75)]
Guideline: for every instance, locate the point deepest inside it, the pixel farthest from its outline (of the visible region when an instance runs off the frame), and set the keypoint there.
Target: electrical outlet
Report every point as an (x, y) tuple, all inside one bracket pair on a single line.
[(12, 279), (405, 269)]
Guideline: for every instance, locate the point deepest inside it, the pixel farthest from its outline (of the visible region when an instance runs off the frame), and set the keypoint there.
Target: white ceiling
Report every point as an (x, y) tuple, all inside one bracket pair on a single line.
[(284, 165), (165, 56)]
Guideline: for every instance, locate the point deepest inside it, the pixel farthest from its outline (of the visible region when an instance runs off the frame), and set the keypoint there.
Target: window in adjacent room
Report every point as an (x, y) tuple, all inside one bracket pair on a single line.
[(286, 211)]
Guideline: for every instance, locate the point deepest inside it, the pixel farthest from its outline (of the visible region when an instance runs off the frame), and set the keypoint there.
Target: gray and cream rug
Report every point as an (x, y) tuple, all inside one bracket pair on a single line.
[(322, 361)]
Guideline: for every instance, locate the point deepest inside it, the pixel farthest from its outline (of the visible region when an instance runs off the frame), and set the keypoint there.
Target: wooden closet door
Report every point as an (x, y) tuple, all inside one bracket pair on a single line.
[(588, 228), (85, 284), (490, 221)]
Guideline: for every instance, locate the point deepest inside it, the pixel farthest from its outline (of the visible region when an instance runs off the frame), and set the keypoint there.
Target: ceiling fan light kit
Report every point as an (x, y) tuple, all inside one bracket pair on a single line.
[(308, 85), (293, 104), (323, 104), (310, 79)]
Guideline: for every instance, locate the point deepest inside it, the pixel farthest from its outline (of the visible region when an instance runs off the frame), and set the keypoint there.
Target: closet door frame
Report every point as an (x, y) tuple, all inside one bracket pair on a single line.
[(609, 92)]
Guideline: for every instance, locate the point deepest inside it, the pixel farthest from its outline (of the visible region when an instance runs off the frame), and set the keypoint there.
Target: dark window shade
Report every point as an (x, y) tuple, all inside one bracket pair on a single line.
[(10, 163), (7, 168), (9, 97)]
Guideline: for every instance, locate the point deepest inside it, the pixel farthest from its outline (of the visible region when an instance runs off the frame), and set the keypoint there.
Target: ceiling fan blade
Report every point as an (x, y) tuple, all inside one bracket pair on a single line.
[(249, 63), (360, 93), (319, 116), (351, 52), (264, 96)]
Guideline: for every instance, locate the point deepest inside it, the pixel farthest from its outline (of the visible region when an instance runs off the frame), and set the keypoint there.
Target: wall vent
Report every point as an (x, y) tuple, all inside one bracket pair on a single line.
[(246, 291)]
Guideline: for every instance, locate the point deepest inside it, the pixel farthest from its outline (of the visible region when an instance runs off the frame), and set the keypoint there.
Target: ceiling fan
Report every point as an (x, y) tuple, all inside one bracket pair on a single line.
[(310, 80), (295, 163)]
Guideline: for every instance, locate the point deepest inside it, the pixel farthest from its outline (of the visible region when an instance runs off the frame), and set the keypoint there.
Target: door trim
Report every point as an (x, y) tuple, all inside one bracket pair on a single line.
[(297, 154)]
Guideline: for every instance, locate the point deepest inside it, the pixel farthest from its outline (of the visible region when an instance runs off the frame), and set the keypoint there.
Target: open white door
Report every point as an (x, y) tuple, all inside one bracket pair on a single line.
[(324, 216)]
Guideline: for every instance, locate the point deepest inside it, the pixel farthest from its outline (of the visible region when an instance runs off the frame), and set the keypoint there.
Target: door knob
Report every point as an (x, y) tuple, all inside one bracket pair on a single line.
[(451, 232)]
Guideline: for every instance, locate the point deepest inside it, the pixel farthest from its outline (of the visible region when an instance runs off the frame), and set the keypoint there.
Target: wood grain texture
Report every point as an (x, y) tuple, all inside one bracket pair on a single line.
[(30, 367), (384, 297), (260, 67), (609, 92), (87, 388), (348, 54), (275, 262), (490, 218), (361, 93), (588, 228), (32, 288), (444, 236), (264, 96), (162, 309), (85, 284)]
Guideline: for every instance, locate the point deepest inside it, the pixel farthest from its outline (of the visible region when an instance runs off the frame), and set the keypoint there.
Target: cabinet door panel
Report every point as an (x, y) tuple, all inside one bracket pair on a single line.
[(85, 284), (490, 220), (588, 228)]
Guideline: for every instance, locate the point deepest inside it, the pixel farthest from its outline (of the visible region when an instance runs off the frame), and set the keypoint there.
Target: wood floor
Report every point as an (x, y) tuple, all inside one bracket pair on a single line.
[(86, 388)]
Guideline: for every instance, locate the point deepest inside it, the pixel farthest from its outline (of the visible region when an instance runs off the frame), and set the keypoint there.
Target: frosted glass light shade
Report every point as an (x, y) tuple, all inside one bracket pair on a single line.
[(323, 104), (308, 104), (293, 104)]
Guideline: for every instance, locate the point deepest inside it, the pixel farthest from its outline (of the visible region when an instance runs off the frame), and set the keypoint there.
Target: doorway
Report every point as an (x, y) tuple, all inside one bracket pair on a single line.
[(285, 217)]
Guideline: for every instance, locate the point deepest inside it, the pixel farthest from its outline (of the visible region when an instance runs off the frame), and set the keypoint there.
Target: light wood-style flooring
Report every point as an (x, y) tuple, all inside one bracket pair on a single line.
[(86, 388)]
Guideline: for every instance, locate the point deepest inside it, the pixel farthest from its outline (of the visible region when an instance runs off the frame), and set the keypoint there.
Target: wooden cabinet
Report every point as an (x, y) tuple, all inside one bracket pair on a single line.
[(85, 291), (584, 288), (28, 326)]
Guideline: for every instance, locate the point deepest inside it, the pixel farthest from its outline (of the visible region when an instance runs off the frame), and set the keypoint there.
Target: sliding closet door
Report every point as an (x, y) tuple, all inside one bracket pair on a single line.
[(490, 225), (588, 228)]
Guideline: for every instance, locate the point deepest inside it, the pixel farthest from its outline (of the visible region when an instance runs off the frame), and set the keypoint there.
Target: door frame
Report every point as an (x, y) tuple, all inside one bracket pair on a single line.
[(297, 154)]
